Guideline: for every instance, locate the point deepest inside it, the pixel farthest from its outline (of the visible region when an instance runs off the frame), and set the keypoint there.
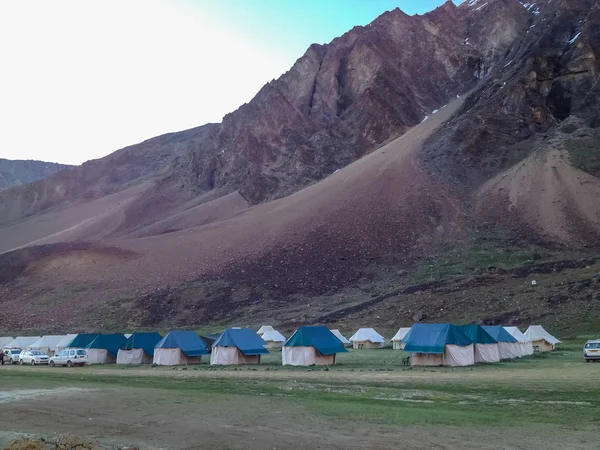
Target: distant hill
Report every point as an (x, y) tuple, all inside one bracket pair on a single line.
[(18, 172)]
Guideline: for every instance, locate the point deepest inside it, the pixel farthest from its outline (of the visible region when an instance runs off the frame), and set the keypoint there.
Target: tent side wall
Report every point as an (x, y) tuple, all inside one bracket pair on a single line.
[(99, 356), (173, 357), (453, 356), (542, 345), (305, 356), (487, 353), (133, 356), (224, 356), (366, 344), (398, 345)]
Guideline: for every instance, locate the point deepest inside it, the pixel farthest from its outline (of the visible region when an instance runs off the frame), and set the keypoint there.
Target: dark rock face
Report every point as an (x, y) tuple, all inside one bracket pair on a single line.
[(17, 173)]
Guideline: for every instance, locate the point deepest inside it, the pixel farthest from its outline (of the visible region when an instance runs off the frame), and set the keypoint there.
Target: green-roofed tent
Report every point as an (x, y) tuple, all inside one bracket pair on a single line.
[(439, 344), (509, 346), (311, 346), (101, 348), (238, 346), (485, 346), (138, 348)]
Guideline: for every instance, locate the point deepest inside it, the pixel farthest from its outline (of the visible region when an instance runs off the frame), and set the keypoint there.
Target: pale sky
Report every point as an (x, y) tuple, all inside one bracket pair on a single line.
[(80, 79)]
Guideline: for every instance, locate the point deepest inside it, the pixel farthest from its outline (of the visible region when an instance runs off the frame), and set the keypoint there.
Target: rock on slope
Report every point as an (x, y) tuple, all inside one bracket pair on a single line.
[(17, 173)]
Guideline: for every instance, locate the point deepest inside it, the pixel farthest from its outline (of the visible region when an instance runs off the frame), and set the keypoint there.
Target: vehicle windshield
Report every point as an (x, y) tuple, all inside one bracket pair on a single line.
[(37, 352), (592, 345), (81, 352), (15, 352)]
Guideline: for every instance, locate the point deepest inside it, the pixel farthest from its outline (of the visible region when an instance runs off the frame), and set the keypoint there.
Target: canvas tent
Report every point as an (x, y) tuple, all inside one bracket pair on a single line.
[(341, 337), (487, 349), (47, 344), (138, 348), (238, 346), (440, 344), (311, 346), (5, 340), (22, 342), (65, 341), (524, 342), (273, 339), (397, 343), (101, 348), (367, 338), (509, 347), (541, 339), (263, 329), (179, 347)]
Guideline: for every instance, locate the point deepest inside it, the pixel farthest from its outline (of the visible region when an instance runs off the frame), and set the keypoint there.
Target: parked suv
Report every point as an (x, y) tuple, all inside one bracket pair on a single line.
[(591, 350), (33, 357), (11, 355), (70, 357)]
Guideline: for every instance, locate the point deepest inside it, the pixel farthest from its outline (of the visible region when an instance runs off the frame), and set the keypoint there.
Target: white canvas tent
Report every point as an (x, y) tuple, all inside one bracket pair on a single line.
[(47, 344), (541, 339), (5, 340), (524, 342), (341, 337), (265, 328), (397, 339), (273, 339), (367, 338), (65, 341), (22, 342)]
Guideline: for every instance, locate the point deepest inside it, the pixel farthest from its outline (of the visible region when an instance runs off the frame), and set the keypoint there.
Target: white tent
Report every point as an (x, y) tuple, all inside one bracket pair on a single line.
[(273, 338), (5, 340), (397, 339), (367, 338), (340, 336), (47, 344), (524, 342), (66, 340), (265, 328), (541, 339), (22, 342)]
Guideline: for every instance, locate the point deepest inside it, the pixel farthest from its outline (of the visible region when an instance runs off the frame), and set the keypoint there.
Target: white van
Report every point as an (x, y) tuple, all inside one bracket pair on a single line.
[(69, 357), (591, 350)]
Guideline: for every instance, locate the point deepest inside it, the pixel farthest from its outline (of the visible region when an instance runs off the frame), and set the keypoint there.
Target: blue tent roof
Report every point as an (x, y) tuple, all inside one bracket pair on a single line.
[(145, 341), (318, 337), (188, 341), (477, 334), (110, 342), (245, 339), (499, 333), (433, 338)]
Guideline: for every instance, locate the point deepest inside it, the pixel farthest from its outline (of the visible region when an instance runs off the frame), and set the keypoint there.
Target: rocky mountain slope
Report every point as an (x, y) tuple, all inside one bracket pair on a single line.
[(17, 173), (430, 146)]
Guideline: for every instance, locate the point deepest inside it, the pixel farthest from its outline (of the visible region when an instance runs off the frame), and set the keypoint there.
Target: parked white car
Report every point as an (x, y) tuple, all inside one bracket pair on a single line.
[(591, 350), (33, 357), (11, 355), (70, 357)]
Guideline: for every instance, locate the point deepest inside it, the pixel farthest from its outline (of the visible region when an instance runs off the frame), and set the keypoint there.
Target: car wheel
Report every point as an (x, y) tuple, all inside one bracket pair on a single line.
[(21, 362), (69, 364), (51, 363), (33, 362)]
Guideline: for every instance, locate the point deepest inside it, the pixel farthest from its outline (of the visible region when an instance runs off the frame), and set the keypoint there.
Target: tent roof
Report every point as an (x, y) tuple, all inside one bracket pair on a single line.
[(516, 333), (367, 334), (401, 334), (433, 338), (188, 341), (340, 336), (265, 328), (273, 336), (499, 333), (318, 337), (66, 340), (537, 332), (22, 342), (477, 334), (110, 342), (47, 341), (145, 341), (5, 340), (245, 339), (82, 340)]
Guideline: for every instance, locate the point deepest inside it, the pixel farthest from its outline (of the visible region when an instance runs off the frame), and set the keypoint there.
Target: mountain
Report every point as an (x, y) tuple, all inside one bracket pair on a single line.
[(17, 173), (418, 167)]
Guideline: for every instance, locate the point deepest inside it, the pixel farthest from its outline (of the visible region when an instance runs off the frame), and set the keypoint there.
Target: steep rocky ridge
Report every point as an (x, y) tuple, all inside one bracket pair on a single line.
[(19, 172)]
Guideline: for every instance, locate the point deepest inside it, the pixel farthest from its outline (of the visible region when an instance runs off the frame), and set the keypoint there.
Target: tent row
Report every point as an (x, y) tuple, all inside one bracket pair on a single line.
[(465, 345)]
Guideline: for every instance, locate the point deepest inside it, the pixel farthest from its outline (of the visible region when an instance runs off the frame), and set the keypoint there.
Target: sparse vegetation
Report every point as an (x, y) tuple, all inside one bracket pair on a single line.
[(585, 156)]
